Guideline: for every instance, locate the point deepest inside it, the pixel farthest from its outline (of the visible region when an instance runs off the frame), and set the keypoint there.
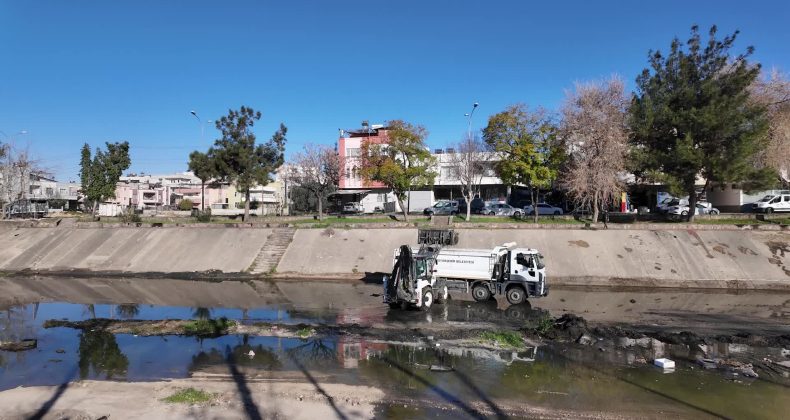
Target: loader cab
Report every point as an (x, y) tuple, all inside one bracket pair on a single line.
[(423, 266)]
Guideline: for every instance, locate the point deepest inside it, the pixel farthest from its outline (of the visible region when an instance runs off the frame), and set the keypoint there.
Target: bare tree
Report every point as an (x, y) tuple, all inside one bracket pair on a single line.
[(16, 168), (773, 92), (467, 165), (316, 169), (594, 129)]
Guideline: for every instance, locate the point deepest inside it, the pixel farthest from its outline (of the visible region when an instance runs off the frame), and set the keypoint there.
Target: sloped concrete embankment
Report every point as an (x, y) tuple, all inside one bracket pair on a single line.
[(652, 258), (730, 259), (134, 250)]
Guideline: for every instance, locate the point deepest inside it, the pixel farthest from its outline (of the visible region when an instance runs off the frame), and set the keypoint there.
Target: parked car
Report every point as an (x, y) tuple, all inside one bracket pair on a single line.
[(669, 202), (543, 208), (501, 210), (773, 203), (443, 208), (477, 205), (683, 210), (353, 207), (430, 210)]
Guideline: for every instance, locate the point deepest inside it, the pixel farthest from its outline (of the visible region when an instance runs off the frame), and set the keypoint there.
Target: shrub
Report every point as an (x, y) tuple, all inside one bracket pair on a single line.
[(129, 216), (503, 338), (186, 204), (208, 327)]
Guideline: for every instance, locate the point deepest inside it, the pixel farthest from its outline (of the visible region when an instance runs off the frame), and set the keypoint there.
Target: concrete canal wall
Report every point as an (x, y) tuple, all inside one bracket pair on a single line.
[(689, 258), (683, 258), (130, 249)]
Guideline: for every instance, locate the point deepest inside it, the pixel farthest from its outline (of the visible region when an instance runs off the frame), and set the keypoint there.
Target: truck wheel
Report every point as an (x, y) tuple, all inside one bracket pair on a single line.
[(480, 293), (427, 299), (442, 296), (516, 295)]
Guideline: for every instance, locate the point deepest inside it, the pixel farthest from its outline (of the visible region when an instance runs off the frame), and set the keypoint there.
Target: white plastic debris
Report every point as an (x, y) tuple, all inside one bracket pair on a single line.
[(251, 354), (664, 363)]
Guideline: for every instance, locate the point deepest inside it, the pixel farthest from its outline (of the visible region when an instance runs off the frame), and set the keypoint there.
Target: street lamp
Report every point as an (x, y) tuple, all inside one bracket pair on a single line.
[(469, 119), (200, 123)]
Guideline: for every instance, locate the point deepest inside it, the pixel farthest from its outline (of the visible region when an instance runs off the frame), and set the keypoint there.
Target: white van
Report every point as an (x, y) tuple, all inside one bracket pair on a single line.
[(773, 202)]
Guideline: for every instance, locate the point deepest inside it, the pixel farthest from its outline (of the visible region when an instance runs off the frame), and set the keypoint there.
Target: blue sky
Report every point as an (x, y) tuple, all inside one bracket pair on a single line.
[(95, 71)]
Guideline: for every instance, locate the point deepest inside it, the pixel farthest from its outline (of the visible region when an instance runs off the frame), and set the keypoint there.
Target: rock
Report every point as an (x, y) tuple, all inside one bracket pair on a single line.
[(707, 363), (23, 345), (585, 340)]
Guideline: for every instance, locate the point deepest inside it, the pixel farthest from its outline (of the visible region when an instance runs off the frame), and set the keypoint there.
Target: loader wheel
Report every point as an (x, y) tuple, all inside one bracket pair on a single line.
[(516, 295), (480, 293), (427, 299)]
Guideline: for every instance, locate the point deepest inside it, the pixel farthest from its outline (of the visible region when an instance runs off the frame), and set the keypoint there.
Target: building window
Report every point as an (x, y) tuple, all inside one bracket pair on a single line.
[(50, 191), (352, 152)]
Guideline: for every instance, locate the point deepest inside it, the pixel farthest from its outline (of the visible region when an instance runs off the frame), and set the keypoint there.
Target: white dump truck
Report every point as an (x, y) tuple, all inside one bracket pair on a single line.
[(425, 277)]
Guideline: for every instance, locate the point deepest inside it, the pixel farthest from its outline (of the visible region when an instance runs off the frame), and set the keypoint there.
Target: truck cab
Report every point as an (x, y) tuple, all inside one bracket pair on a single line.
[(528, 270)]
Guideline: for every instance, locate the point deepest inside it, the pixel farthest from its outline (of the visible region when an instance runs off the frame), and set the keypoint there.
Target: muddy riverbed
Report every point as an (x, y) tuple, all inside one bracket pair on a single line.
[(336, 347)]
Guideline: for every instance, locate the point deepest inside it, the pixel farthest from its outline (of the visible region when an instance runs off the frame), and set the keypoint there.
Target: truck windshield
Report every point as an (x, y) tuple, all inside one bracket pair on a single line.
[(767, 198), (539, 261)]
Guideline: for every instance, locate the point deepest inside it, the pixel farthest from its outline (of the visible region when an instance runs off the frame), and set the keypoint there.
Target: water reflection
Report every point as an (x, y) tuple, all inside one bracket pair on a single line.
[(100, 356), (563, 376), (201, 313), (128, 311)]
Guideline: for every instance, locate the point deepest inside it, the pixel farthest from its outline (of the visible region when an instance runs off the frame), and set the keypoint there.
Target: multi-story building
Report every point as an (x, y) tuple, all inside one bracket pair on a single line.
[(354, 194), (58, 195), (370, 196)]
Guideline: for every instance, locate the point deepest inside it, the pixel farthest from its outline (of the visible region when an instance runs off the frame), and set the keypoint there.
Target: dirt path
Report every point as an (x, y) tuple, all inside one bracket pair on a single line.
[(144, 400)]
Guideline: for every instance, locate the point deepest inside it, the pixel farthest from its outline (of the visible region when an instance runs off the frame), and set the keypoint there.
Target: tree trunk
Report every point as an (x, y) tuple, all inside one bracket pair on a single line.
[(468, 200), (404, 209), (246, 205), (692, 204), (202, 196), (533, 195), (320, 206), (595, 207)]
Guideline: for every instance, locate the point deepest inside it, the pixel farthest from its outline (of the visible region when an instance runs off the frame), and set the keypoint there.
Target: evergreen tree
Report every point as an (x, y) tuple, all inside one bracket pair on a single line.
[(239, 160), (99, 175), (401, 164), (204, 168), (526, 142), (691, 117)]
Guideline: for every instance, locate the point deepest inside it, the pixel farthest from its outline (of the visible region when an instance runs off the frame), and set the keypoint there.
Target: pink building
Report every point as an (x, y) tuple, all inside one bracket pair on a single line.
[(348, 147), (354, 194)]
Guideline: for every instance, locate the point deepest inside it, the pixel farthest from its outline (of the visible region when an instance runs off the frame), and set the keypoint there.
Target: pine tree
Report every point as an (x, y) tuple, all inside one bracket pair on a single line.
[(691, 117)]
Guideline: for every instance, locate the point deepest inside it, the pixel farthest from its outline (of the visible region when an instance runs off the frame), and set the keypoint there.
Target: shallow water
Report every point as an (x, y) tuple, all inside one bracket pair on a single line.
[(555, 377)]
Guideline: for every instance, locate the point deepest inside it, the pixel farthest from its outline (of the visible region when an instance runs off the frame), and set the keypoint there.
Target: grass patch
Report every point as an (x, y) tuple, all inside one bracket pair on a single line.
[(330, 220), (304, 332), (189, 396), (208, 327), (541, 326), (503, 338), (542, 220), (736, 221)]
